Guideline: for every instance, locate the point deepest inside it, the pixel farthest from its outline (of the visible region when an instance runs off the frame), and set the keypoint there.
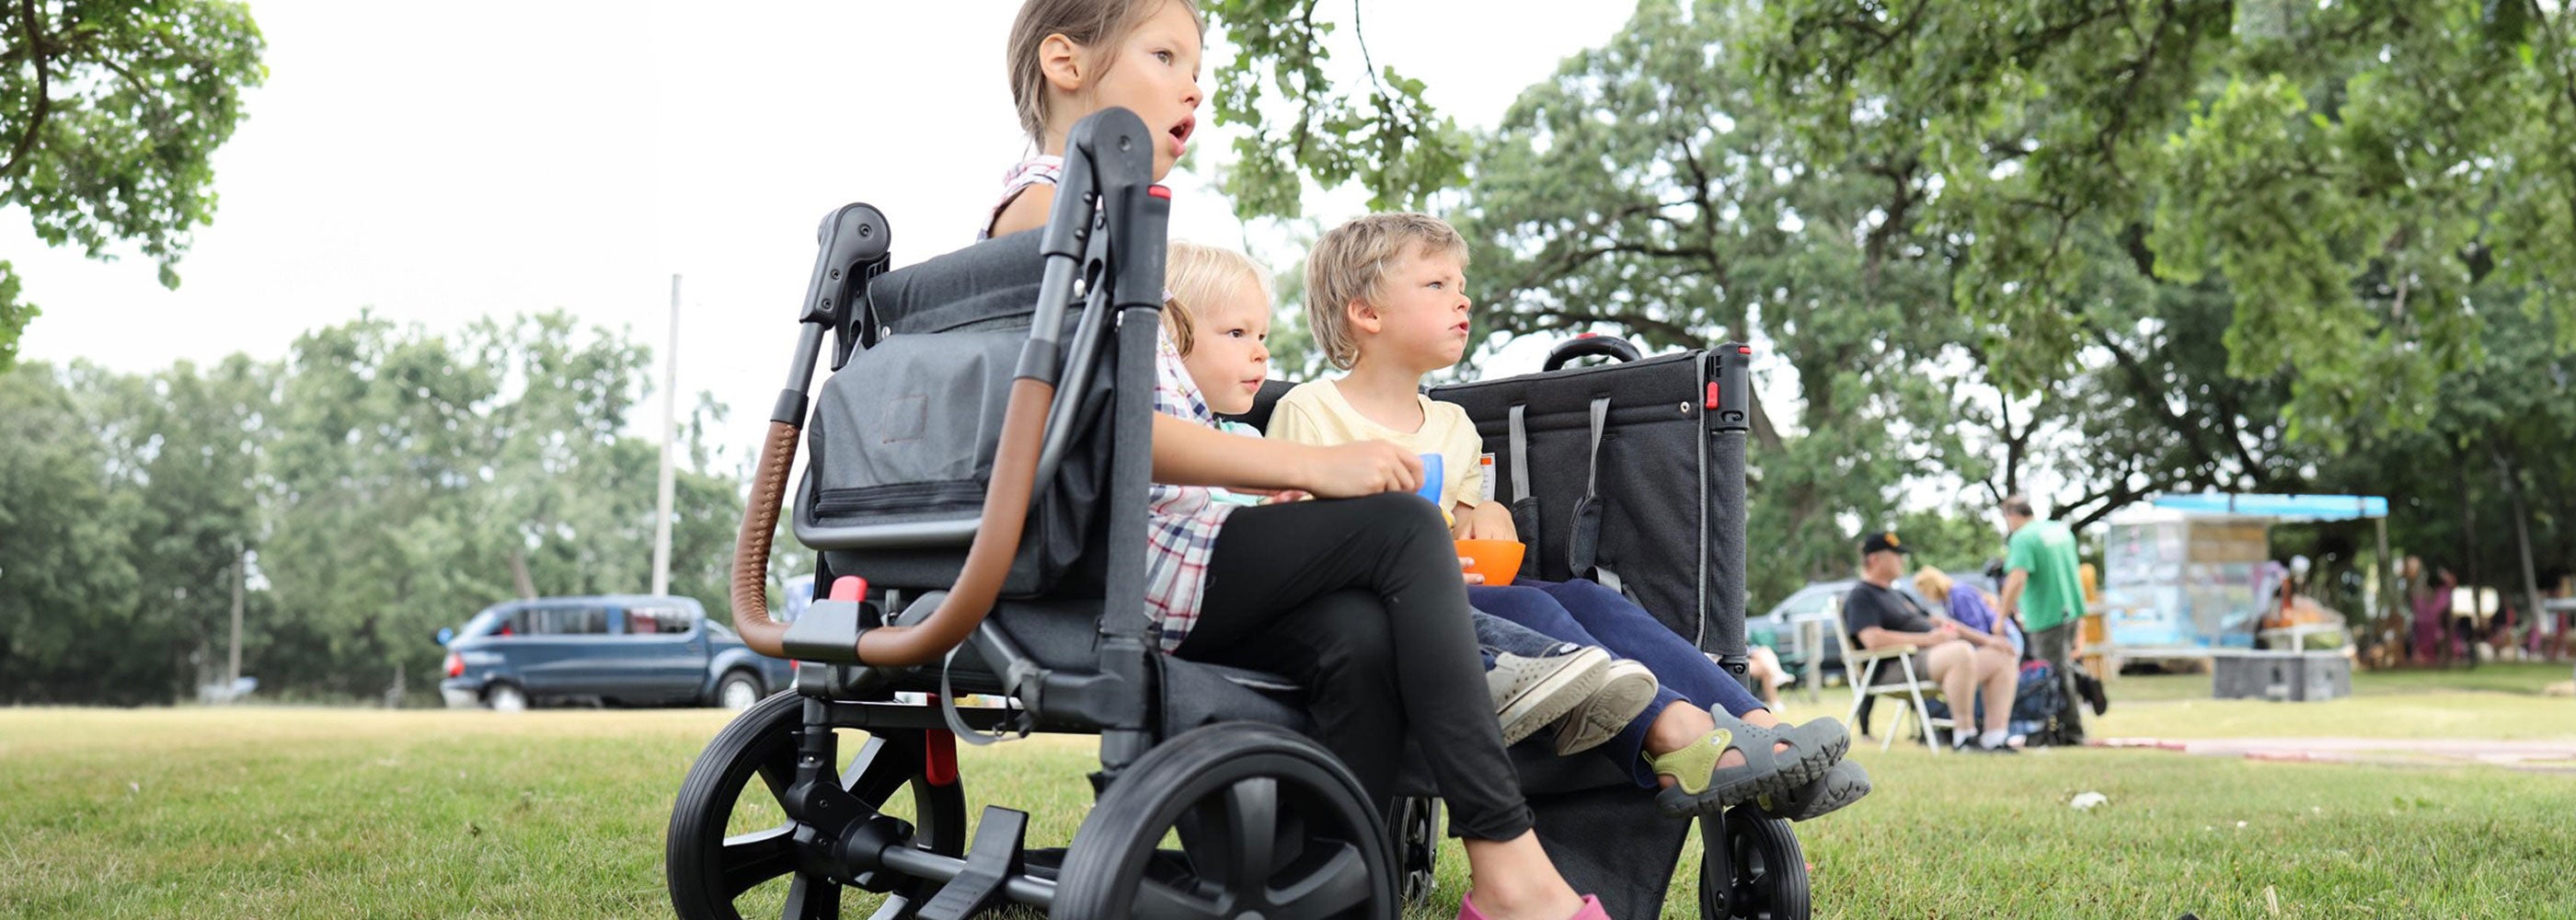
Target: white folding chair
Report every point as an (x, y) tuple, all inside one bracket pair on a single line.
[(1860, 670)]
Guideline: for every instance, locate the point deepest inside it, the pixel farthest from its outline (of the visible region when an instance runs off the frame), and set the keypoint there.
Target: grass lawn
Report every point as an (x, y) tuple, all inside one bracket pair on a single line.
[(275, 812)]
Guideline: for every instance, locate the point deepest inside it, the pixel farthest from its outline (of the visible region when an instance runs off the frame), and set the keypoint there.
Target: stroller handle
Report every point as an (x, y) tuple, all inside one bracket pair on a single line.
[(1107, 167)]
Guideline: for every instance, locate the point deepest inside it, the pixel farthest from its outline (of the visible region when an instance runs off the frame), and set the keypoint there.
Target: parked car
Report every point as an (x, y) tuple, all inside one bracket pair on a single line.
[(626, 649), (1780, 625)]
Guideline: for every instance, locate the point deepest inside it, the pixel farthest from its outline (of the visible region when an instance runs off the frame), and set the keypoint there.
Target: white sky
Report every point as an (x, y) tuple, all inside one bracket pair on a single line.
[(449, 161)]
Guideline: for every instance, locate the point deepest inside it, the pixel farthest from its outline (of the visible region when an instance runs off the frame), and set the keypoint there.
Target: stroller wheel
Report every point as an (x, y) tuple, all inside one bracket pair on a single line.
[(1415, 822), (1269, 824), (1751, 867), (731, 850)]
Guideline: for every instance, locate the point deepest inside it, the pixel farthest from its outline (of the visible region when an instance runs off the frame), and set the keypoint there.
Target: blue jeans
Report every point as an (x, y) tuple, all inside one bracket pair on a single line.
[(1585, 613), (1495, 635)]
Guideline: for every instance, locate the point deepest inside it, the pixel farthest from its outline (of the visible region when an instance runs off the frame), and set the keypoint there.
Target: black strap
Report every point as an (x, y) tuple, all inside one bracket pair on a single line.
[(1027, 722)]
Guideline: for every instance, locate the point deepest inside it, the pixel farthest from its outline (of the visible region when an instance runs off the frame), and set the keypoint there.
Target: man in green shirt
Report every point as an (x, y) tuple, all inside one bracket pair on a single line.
[(2041, 586)]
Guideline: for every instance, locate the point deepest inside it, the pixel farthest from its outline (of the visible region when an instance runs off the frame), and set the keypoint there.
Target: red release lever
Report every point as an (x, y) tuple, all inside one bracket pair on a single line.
[(849, 588), (1712, 394), (1159, 192)]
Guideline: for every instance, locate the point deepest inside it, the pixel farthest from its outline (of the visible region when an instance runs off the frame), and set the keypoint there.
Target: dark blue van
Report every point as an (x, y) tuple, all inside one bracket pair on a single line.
[(634, 650)]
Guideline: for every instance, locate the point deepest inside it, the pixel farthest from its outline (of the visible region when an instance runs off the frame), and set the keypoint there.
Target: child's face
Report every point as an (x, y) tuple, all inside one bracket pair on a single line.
[(1229, 357), (1419, 318), (1154, 73)]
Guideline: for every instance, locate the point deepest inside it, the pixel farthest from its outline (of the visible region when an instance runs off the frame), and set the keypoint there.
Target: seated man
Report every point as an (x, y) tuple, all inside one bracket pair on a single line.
[(1962, 660)]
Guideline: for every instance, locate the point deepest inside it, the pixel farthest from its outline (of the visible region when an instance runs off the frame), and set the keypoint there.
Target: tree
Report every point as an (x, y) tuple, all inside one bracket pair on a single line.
[(67, 576), (1280, 85), (1644, 191), (2353, 171), (110, 112)]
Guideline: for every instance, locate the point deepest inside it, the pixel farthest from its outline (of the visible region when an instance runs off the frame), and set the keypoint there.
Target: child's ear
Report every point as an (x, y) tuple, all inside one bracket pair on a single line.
[(1362, 316), (1060, 60)]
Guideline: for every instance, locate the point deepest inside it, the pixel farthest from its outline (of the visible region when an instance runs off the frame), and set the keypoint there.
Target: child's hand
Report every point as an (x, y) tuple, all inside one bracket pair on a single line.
[(1472, 578), (1489, 521), (1362, 468), (1285, 496)]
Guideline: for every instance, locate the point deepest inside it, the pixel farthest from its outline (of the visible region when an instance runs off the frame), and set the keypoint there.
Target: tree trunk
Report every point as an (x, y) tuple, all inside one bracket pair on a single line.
[(2522, 538), (519, 575)]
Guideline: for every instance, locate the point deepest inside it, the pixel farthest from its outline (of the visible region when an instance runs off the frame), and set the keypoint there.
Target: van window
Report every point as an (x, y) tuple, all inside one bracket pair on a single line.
[(574, 620), (657, 619)]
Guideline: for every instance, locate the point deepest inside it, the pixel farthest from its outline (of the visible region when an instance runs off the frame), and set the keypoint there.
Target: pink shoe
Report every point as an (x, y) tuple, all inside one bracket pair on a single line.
[(1591, 909)]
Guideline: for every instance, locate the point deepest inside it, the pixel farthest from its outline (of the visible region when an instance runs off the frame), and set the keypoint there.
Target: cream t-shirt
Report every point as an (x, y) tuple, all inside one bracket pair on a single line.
[(1316, 413)]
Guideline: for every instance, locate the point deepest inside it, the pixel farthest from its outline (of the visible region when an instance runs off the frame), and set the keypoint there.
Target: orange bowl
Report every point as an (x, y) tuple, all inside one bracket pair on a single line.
[(1497, 560)]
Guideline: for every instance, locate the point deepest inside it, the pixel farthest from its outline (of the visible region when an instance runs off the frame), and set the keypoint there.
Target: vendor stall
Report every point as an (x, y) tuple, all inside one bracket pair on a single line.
[(2193, 574)]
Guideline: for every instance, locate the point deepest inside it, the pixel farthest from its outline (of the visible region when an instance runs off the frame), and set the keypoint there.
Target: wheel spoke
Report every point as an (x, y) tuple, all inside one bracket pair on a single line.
[(1252, 823), (746, 860), (813, 898), (1158, 900), (1338, 883), (881, 768)]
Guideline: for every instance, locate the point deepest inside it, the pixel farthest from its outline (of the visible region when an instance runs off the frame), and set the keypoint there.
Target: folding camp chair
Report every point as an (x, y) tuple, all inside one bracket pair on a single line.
[(1862, 668)]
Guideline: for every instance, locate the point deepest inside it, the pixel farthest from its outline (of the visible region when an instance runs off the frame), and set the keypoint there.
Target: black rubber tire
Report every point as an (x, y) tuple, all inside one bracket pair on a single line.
[(1244, 796), (706, 872), (1751, 868), (1414, 823)]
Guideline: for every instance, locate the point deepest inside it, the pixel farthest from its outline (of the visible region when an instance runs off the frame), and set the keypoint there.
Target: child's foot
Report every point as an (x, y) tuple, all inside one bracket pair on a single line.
[(1625, 690), (1529, 693), (1739, 762)]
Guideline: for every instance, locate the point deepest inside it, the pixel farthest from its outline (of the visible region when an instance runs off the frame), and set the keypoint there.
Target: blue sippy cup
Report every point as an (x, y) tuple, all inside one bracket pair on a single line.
[(1432, 476)]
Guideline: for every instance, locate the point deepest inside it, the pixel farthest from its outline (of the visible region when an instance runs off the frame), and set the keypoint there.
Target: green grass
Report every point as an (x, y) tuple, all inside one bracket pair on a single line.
[(277, 812)]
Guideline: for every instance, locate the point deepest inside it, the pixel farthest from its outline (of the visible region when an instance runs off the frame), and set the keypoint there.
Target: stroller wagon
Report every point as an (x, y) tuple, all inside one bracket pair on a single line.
[(985, 413)]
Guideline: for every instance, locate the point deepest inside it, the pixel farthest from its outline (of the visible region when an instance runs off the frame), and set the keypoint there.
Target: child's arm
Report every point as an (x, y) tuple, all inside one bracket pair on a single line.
[(1190, 454)]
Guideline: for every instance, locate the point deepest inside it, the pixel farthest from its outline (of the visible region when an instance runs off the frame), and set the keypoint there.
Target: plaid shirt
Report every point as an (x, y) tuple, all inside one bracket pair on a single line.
[(1182, 521)]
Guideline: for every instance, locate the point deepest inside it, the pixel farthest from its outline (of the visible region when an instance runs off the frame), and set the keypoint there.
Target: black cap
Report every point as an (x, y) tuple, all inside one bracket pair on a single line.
[(1883, 541)]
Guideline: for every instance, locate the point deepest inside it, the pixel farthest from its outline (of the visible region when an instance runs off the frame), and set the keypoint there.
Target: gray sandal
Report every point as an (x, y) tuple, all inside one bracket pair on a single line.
[(1842, 785), (1700, 786)]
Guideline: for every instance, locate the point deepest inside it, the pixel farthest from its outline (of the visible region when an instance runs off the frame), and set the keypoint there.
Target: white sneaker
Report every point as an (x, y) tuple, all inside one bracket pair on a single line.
[(1529, 693), (1625, 691)]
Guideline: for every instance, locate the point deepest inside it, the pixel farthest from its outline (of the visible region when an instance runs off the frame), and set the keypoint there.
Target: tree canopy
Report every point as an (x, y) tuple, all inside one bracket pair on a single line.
[(110, 114)]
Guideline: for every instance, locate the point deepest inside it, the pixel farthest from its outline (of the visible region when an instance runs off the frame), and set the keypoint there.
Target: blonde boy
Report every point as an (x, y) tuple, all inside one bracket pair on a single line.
[(1386, 297)]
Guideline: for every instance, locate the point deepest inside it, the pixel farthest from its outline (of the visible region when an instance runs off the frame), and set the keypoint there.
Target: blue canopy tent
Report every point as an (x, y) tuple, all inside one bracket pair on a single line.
[(2282, 507)]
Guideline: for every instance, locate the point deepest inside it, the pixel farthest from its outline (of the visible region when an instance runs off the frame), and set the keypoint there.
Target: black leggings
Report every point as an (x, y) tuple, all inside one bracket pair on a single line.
[(1400, 657)]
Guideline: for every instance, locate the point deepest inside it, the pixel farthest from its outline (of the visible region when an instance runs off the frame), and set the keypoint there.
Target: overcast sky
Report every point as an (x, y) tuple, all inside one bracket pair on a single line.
[(443, 162)]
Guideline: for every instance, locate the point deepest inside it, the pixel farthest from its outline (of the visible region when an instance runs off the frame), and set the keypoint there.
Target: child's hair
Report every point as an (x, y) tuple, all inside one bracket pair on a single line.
[(1196, 275), (1090, 23), (1350, 261)]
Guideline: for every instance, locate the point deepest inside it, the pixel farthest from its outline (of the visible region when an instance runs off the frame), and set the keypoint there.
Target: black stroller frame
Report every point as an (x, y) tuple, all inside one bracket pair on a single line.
[(988, 601)]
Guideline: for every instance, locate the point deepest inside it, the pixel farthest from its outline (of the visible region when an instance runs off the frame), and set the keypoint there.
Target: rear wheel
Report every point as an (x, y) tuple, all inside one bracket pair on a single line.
[(1415, 823), (506, 698), (1268, 825), (1751, 868), (737, 691)]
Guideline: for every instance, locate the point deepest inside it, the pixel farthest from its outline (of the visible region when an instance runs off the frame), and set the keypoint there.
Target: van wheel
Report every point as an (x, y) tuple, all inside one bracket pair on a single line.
[(737, 691), (506, 698)]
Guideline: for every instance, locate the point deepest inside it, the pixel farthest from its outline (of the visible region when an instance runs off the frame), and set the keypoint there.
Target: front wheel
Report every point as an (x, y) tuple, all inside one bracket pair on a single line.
[(732, 850)]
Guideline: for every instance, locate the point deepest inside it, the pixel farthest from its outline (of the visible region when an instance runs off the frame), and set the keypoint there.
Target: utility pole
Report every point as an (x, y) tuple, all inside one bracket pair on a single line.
[(232, 671), (670, 425)]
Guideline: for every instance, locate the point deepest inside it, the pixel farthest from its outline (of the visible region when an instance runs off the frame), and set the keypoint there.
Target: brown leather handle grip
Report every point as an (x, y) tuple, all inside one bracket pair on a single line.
[(979, 582)]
